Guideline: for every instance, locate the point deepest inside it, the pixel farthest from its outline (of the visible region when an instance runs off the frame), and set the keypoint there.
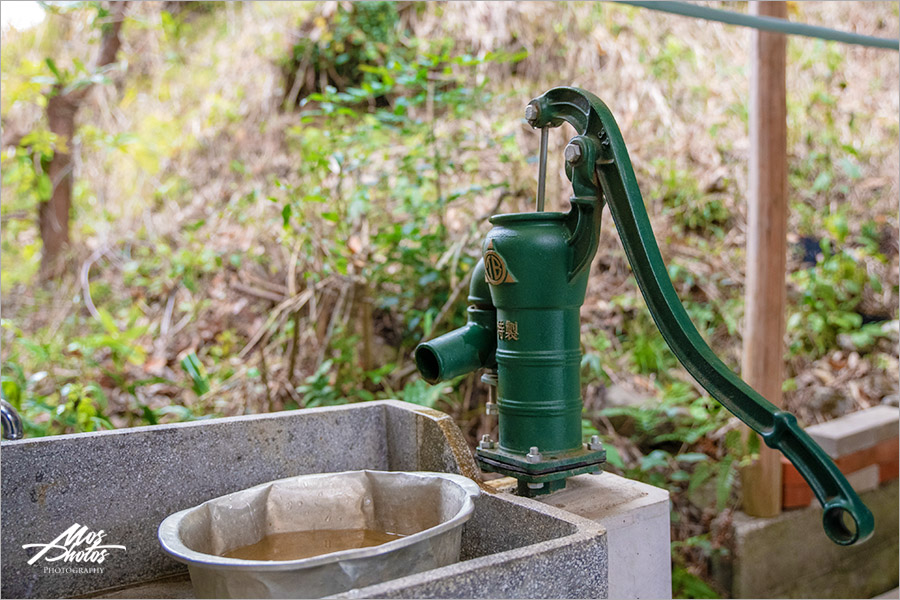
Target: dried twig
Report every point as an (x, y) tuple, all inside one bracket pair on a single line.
[(252, 291), (167, 316), (335, 315), (291, 304), (295, 345), (463, 284), (86, 284), (161, 343), (293, 394), (269, 285), (292, 271), (264, 374)]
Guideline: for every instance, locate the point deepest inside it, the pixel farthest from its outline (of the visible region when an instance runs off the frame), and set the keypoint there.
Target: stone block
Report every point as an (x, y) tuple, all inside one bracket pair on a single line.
[(856, 431), (789, 556), (513, 548), (636, 518), (864, 479)]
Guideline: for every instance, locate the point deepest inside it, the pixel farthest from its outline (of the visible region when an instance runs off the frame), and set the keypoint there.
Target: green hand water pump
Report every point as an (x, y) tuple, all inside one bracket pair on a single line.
[(523, 325)]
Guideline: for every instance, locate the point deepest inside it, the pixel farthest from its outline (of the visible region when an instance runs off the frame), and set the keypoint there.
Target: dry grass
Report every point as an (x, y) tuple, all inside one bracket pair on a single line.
[(676, 85)]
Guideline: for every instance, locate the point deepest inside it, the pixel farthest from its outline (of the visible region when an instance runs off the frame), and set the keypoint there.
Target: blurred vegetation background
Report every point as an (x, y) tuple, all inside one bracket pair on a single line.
[(272, 203)]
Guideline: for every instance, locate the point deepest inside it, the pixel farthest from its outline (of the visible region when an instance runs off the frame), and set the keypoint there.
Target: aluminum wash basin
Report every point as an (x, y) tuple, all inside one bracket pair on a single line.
[(427, 509)]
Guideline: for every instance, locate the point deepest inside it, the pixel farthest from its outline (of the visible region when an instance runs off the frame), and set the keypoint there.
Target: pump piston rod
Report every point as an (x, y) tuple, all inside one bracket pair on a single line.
[(542, 169)]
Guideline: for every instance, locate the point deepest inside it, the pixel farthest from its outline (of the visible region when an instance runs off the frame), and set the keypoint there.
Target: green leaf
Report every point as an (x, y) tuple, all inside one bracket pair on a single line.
[(688, 585), (421, 393), (692, 457), (44, 187), (149, 415), (822, 182), (724, 482), (702, 473), (11, 391), (107, 321), (194, 368), (657, 458), (850, 168), (614, 458), (51, 64)]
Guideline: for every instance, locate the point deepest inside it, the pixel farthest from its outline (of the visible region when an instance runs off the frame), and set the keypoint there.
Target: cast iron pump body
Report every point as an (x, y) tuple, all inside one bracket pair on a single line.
[(524, 327)]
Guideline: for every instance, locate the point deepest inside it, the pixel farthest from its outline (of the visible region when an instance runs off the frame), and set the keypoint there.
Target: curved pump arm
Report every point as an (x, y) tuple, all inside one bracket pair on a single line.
[(604, 171)]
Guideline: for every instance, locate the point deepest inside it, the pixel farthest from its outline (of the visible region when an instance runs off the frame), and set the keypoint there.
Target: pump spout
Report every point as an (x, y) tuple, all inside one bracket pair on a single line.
[(471, 347), (456, 353)]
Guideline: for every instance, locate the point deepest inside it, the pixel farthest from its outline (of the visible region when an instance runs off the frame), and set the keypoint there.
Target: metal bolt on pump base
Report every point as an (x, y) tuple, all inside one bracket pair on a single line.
[(534, 455)]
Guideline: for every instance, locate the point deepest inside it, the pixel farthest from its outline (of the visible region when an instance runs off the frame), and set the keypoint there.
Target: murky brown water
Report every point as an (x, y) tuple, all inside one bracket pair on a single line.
[(294, 545)]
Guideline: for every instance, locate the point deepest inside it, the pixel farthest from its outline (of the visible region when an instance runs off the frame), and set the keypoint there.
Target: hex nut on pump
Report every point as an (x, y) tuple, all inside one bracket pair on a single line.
[(573, 153)]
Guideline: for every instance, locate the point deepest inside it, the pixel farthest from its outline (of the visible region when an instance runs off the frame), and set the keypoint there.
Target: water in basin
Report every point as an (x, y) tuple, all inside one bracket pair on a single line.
[(294, 545)]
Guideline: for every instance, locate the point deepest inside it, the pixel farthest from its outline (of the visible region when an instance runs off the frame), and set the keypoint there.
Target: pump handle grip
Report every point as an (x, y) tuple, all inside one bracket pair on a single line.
[(613, 174)]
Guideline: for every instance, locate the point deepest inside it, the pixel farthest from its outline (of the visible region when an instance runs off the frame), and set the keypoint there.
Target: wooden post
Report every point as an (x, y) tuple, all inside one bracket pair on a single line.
[(763, 351)]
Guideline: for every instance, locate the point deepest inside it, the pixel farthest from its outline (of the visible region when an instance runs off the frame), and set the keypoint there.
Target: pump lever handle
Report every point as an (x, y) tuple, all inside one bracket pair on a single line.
[(614, 175)]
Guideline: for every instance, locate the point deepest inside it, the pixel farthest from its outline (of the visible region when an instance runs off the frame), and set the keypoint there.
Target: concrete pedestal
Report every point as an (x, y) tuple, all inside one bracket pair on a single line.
[(789, 556), (636, 518)]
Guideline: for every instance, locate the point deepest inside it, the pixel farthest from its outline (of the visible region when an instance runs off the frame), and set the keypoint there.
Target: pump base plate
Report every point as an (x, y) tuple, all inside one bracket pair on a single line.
[(543, 477)]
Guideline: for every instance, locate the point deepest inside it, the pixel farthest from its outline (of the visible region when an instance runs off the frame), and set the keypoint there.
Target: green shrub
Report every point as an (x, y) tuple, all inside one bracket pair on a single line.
[(829, 295)]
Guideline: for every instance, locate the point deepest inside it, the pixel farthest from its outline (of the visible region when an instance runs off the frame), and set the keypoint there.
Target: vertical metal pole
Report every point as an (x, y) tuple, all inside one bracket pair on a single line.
[(767, 211), (542, 169)]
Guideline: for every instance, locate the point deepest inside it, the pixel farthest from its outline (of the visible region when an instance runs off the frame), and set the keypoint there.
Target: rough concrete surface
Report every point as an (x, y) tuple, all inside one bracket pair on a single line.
[(126, 482), (513, 548), (789, 556)]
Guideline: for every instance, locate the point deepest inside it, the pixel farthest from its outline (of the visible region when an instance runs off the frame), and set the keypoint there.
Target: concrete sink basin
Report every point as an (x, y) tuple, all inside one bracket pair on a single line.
[(106, 494)]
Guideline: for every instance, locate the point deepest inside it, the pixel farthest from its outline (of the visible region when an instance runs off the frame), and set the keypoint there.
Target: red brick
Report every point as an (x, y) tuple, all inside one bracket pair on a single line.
[(797, 493), (888, 450)]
